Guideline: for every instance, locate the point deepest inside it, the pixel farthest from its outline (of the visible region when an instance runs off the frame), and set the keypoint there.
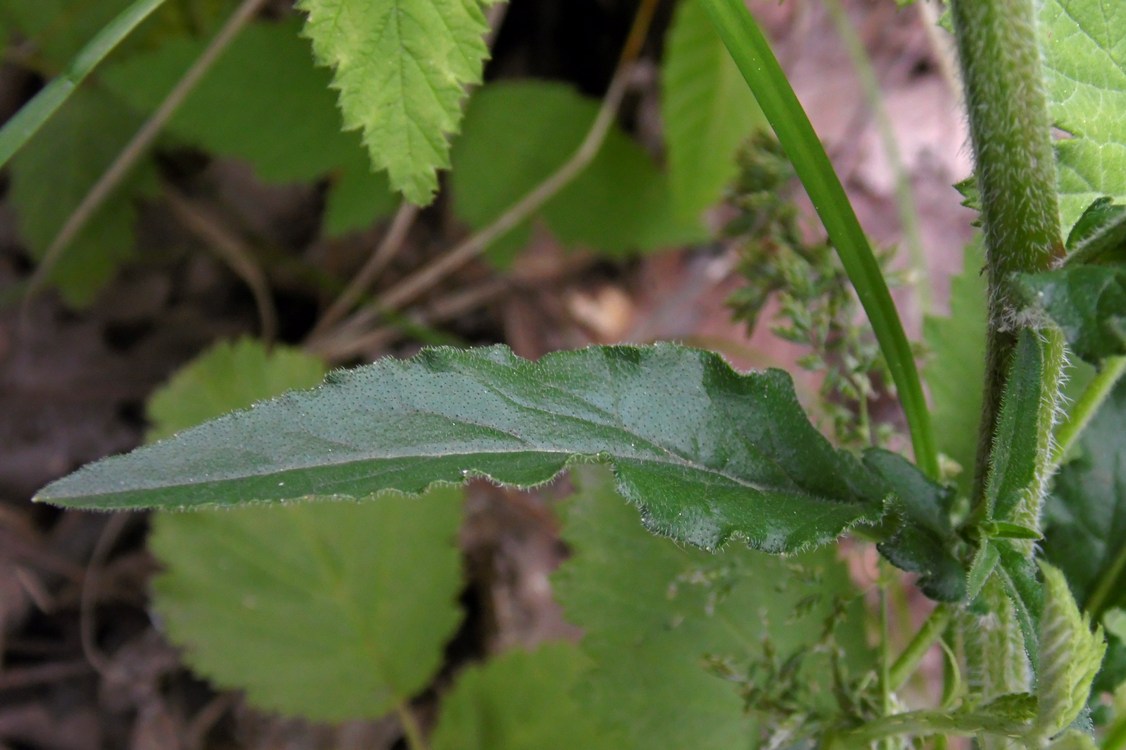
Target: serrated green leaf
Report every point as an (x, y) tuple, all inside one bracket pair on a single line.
[(263, 101), (400, 69), (521, 701), (1100, 234), (956, 364), (1083, 44), (620, 203), (1070, 655), (53, 173), (228, 376), (706, 452), (1088, 303), (331, 611), (693, 628), (706, 108)]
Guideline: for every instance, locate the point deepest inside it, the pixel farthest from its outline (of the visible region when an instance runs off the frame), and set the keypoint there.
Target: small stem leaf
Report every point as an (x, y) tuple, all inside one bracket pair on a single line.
[(1070, 655), (706, 452), (1021, 447)]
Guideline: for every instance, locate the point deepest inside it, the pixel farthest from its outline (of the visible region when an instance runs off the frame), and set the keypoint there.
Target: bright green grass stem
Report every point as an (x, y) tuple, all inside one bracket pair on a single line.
[(1016, 174), (35, 113), (751, 53)]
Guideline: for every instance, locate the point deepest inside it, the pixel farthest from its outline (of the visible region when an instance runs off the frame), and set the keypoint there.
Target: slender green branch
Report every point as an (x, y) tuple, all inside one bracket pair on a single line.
[(1086, 407), (751, 53), (31, 117), (1015, 168), (926, 637)]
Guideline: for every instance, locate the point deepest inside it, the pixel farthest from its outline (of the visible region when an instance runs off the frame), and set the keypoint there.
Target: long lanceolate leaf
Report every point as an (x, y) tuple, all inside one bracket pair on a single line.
[(706, 453), (752, 54), (28, 120)]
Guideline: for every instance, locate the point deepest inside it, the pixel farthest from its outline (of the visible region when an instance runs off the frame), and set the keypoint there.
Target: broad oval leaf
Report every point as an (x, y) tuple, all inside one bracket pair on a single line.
[(1088, 303), (706, 452), (332, 611)]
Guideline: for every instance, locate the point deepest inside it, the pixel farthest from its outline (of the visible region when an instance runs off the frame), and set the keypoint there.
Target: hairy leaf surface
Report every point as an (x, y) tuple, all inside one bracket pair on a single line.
[(704, 451), (706, 107), (332, 611), (699, 631), (521, 701), (401, 67), (1070, 655), (228, 376), (621, 202), (1084, 48)]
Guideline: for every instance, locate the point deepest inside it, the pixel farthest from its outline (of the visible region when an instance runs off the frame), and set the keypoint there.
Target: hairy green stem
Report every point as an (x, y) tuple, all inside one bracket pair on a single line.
[(1015, 168), (926, 637), (755, 60), (1086, 407)]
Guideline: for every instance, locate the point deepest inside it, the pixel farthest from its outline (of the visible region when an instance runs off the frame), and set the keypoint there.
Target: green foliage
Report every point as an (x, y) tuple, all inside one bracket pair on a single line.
[(706, 108), (521, 701), (53, 173), (620, 203), (706, 452), (1085, 72), (1070, 655), (400, 69), (956, 364), (1100, 234), (265, 78), (1086, 522), (1012, 491), (924, 541), (228, 376), (60, 28), (331, 612), (1088, 303), (702, 650)]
